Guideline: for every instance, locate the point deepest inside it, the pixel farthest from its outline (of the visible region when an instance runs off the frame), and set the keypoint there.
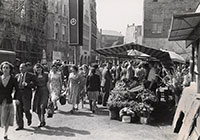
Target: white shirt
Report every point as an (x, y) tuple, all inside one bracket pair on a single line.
[(152, 74)]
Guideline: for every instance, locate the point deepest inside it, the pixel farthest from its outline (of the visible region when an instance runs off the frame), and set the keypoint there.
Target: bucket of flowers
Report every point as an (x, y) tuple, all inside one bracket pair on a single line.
[(126, 114), (115, 103), (144, 111)]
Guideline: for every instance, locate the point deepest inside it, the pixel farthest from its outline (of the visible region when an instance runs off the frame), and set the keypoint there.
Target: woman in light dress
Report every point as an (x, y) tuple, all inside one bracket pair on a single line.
[(74, 86), (55, 85)]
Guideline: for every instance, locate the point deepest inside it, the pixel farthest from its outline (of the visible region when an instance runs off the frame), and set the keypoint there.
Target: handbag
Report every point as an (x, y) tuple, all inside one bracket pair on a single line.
[(50, 109), (100, 98), (62, 99)]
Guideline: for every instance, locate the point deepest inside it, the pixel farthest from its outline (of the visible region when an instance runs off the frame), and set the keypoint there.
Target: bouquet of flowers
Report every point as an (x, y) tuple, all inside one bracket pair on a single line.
[(144, 110), (147, 96)]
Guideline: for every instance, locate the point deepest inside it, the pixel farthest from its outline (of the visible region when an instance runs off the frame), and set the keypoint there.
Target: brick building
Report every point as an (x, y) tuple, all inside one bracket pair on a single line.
[(157, 21)]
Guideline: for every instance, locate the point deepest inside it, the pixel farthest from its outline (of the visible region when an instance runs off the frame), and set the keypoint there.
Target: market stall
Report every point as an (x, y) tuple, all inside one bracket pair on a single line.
[(129, 101)]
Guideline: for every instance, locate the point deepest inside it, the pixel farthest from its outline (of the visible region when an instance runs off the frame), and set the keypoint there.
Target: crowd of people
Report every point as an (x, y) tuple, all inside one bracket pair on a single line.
[(75, 82)]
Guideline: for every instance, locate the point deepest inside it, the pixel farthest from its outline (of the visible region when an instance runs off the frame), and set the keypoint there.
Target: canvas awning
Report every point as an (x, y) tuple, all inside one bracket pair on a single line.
[(158, 54), (185, 27), (175, 57)]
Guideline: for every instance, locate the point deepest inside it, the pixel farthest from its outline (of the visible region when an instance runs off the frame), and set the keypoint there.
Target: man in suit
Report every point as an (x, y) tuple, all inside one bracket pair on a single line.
[(106, 82), (23, 104)]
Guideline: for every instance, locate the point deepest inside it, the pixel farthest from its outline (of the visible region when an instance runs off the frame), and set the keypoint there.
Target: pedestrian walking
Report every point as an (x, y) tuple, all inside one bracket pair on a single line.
[(55, 85), (26, 83), (41, 94), (8, 84), (74, 88), (93, 89)]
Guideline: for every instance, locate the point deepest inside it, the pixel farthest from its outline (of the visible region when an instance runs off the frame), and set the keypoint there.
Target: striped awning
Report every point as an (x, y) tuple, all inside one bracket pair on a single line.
[(158, 54)]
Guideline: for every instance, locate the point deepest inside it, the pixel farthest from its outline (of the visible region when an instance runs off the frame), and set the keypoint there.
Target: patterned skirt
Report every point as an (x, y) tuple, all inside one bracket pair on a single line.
[(93, 95), (6, 115)]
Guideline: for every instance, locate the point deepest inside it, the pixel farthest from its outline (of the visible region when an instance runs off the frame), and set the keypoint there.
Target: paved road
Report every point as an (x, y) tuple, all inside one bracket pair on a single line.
[(84, 125)]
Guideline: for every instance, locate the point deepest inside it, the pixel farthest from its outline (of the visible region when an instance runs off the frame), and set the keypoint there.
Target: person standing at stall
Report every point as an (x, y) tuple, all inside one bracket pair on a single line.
[(41, 94), (26, 83), (106, 82), (118, 72), (152, 83), (8, 84), (130, 72)]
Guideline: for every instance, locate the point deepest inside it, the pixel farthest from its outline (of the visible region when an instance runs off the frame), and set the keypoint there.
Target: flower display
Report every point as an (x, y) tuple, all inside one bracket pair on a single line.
[(126, 111), (147, 96), (144, 110)]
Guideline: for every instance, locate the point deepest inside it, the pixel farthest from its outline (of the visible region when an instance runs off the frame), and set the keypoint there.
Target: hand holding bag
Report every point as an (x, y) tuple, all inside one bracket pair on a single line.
[(50, 109)]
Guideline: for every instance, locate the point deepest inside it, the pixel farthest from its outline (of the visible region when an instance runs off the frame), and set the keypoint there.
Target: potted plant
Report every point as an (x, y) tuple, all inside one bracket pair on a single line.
[(144, 110)]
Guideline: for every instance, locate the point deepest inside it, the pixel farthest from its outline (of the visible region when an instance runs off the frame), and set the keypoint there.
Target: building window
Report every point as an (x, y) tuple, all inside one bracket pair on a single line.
[(157, 23), (157, 28), (56, 31), (64, 27), (155, 0)]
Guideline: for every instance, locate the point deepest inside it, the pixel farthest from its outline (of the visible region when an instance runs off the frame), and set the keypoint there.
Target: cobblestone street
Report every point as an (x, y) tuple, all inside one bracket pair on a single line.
[(84, 125)]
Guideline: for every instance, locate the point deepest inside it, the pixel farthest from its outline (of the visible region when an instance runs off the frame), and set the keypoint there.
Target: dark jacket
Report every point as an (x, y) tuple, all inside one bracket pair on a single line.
[(93, 82), (29, 79), (6, 92), (106, 81)]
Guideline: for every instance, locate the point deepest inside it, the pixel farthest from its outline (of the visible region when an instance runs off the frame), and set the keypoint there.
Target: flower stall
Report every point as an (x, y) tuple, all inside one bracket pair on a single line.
[(130, 102)]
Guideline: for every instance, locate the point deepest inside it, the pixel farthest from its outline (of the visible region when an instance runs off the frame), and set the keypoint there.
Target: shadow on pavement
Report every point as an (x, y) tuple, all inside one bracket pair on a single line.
[(103, 111), (58, 131), (78, 113)]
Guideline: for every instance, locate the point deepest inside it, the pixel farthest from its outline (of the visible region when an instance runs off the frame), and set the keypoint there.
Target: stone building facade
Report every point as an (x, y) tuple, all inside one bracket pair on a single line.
[(22, 28), (57, 31), (157, 21)]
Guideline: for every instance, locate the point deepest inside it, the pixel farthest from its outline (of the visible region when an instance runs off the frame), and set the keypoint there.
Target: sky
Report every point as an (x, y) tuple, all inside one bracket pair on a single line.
[(117, 14)]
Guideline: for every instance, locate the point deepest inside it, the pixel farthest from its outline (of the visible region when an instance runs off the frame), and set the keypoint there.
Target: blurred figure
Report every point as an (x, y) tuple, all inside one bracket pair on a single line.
[(74, 88), (118, 72), (41, 94), (8, 84), (55, 84), (106, 82), (26, 83), (29, 67), (93, 89), (130, 72), (65, 72)]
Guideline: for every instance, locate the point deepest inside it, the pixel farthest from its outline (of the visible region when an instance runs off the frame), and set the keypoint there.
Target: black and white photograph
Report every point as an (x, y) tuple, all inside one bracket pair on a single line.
[(99, 69)]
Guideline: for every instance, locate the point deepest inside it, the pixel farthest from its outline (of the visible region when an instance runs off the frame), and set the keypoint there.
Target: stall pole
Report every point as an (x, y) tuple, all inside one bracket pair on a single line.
[(198, 68)]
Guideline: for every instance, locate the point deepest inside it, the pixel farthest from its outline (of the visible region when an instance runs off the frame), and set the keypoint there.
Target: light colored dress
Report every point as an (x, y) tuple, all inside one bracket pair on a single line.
[(74, 88), (55, 85)]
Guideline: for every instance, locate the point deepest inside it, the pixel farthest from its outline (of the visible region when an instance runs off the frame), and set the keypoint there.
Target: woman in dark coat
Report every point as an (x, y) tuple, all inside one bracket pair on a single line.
[(93, 89), (42, 93), (7, 84)]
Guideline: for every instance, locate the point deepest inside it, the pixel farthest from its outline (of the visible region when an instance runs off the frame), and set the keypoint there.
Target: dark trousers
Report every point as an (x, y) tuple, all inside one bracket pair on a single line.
[(106, 96), (20, 115)]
